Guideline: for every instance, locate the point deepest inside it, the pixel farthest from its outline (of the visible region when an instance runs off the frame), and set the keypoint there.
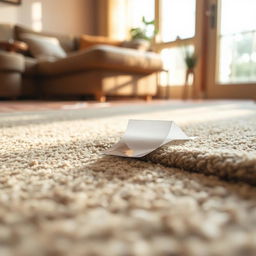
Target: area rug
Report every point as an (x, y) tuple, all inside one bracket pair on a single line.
[(59, 195)]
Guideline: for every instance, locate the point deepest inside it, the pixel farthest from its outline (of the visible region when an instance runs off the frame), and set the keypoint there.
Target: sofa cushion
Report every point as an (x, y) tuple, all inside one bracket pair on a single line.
[(104, 57), (87, 41), (30, 66), (68, 43), (11, 62), (6, 32), (43, 47)]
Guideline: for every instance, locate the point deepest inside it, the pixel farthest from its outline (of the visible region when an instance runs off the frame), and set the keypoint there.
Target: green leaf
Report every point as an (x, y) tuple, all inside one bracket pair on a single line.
[(141, 33)]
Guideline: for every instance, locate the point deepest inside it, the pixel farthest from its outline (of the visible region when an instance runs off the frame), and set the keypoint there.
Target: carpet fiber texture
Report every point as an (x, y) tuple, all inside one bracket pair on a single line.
[(60, 196)]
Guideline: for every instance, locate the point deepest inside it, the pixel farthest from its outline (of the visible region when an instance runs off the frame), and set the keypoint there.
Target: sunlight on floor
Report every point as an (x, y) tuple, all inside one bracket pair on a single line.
[(180, 111), (203, 114)]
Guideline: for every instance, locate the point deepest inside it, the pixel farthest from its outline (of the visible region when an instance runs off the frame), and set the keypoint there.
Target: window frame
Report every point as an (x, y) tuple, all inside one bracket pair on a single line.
[(198, 41)]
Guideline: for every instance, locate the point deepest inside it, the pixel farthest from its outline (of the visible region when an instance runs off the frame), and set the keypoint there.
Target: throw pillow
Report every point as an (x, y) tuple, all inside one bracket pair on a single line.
[(87, 41), (43, 47)]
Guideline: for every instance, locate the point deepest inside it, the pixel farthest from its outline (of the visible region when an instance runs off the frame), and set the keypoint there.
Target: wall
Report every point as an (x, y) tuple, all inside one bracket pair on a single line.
[(63, 16)]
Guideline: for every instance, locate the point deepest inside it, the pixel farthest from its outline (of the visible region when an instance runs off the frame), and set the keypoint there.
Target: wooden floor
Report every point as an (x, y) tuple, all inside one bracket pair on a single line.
[(36, 105), (40, 105)]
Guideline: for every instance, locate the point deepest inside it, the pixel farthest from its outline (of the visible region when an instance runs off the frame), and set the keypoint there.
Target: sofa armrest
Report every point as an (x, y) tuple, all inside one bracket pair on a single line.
[(104, 58), (11, 62)]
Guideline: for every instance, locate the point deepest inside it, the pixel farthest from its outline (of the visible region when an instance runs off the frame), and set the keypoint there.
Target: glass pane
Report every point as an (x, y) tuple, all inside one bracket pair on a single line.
[(140, 8), (174, 61), (137, 9), (237, 40), (237, 16), (178, 19)]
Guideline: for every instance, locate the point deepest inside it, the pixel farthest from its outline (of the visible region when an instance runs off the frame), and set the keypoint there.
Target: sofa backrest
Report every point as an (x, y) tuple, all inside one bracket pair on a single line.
[(10, 31), (6, 32), (69, 43)]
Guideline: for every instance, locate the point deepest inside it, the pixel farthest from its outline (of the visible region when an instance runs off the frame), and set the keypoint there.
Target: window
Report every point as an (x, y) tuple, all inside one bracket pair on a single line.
[(36, 13), (177, 19), (140, 8), (127, 14), (177, 22), (237, 41), (173, 59)]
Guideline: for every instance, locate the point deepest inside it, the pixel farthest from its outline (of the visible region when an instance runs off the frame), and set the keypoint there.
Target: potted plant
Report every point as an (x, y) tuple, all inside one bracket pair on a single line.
[(190, 60), (142, 36)]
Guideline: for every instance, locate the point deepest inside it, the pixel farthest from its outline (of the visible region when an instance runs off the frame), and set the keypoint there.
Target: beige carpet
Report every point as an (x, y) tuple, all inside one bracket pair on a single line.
[(60, 196)]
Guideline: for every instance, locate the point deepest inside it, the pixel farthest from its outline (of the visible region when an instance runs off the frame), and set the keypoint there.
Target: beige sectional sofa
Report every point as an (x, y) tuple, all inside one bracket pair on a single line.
[(99, 70), (11, 68)]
